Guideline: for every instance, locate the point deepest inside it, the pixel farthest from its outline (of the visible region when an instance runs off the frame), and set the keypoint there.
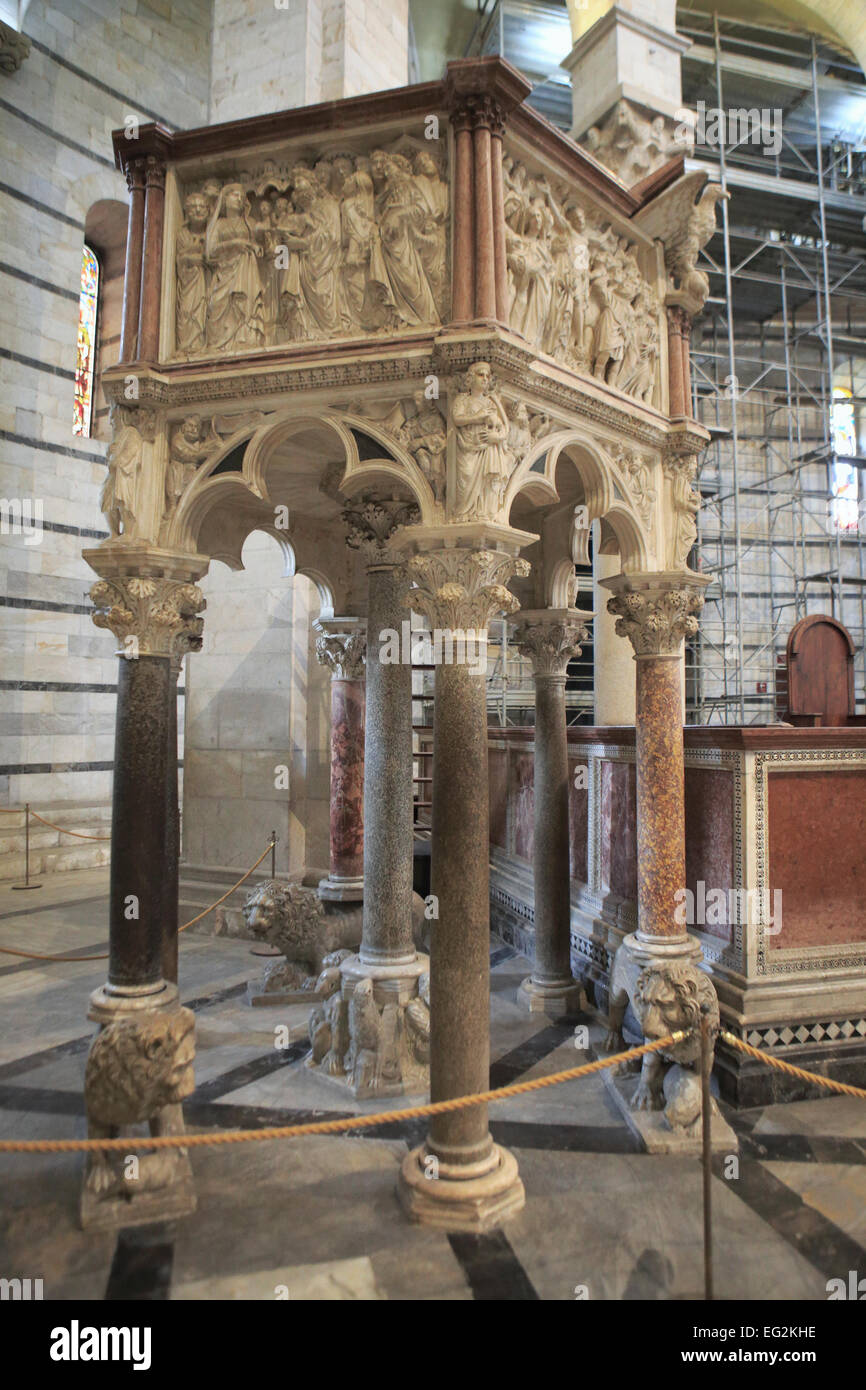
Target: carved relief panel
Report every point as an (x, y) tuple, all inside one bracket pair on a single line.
[(312, 246)]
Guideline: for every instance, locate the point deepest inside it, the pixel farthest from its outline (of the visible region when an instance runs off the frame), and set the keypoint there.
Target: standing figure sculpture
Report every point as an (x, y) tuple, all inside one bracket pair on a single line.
[(403, 217), (235, 313), (191, 311), (484, 461), (117, 501)]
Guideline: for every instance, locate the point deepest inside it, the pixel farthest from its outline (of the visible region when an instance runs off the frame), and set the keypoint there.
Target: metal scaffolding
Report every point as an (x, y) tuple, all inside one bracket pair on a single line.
[(785, 325)]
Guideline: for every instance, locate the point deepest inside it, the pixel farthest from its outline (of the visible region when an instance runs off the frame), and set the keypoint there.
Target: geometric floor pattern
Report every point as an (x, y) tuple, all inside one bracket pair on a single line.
[(317, 1218)]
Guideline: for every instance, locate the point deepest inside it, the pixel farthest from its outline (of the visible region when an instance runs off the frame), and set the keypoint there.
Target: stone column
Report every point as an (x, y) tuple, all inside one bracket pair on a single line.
[(170, 883), (485, 271), (151, 267), (550, 638), (140, 1064), (458, 1179), (657, 966), (135, 171), (613, 667), (341, 645), (679, 331), (463, 256)]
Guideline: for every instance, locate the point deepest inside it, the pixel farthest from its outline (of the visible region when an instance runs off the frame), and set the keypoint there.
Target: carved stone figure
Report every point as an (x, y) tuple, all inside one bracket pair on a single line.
[(138, 1071), (632, 143), (424, 435), (686, 501), (667, 997), (308, 932), (530, 274), (484, 461), (187, 450), (189, 258), (118, 499), (684, 218), (404, 217), (235, 316)]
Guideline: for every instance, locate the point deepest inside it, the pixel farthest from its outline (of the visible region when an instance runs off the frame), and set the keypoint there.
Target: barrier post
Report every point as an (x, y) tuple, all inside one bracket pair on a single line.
[(22, 887), (706, 1150), (273, 854)]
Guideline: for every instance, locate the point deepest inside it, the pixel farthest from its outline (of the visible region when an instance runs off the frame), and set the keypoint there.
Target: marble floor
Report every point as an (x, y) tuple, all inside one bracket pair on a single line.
[(317, 1218)]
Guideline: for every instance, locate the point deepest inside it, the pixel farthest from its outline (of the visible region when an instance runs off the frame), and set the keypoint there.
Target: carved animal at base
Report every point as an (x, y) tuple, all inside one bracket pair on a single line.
[(667, 997), (138, 1071), (297, 922)]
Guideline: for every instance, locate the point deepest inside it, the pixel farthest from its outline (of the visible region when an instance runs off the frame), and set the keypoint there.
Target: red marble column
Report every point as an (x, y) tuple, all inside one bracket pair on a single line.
[(462, 276), (151, 269), (485, 275), (341, 645), (499, 262), (686, 364), (677, 390), (661, 854), (132, 274)]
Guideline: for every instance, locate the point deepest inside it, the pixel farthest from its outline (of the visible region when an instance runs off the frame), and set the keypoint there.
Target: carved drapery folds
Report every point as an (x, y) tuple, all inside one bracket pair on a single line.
[(576, 288), (680, 469), (329, 246), (160, 614), (132, 428)]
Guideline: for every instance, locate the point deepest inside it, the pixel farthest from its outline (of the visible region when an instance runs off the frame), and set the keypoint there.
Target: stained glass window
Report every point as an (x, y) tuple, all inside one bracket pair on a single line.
[(843, 475), (84, 360)]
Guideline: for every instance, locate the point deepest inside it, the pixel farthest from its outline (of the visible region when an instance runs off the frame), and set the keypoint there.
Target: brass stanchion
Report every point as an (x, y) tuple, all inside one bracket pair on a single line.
[(262, 948), (707, 1151), (273, 854), (23, 887)]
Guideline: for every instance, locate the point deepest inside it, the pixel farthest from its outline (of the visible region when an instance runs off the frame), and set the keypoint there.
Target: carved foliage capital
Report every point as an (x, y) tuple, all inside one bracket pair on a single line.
[(162, 614), (344, 653), (656, 620), (370, 524), (461, 590), (550, 645)]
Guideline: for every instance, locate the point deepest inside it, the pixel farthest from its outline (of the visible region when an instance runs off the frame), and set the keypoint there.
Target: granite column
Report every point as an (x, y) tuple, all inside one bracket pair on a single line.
[(341, 645)]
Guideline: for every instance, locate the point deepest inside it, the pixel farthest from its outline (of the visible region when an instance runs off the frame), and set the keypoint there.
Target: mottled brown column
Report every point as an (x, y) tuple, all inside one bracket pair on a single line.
[(550, 638), (462, 274), (151, 269), (341, 646), (459, 1179), (170, 882), (686, 364), (134, 252), (675, 361), (485, 275)]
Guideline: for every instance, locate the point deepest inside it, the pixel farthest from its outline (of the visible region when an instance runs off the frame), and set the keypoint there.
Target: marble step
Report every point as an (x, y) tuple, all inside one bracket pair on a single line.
[(50, 850)]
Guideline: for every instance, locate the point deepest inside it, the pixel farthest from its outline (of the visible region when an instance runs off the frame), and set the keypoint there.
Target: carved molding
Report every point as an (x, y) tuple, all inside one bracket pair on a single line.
[(161, 614), (461, 590)]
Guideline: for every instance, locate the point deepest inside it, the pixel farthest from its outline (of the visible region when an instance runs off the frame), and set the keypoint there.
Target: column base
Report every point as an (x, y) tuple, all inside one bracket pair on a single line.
[(374, 1035), (472, 1203), (341, 890), (554, 998), (139, 1070)]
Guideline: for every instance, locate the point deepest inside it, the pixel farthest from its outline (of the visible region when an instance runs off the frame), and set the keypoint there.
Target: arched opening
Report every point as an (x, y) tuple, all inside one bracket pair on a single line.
[(102, 281)]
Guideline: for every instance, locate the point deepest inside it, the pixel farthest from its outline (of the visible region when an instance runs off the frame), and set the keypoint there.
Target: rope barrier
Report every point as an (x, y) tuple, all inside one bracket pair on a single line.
[(788, 1067), (77, 833), (33, 955), (382, 1117)]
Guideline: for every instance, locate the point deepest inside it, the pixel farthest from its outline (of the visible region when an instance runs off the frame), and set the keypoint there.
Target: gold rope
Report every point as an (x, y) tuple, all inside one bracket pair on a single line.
[(383, 1117), (77, 833), (32, 955), (776, 1062)]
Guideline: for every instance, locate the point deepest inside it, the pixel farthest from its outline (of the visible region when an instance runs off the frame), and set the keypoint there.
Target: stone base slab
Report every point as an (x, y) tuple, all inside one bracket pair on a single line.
[(257, 997), (653, 1130), (475, 1204), (553, 1000), (113, 1212), (335, 890)]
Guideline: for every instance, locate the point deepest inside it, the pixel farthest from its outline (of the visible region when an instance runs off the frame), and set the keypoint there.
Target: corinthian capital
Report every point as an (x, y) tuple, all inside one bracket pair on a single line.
[(656, 611), (160, 614), (550, 637), (341, 645), (370, 524), (461, 590)]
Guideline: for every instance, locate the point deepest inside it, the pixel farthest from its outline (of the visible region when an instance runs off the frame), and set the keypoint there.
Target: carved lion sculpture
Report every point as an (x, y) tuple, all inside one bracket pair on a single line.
[(294, 919), (137, 1069), (667, 997)]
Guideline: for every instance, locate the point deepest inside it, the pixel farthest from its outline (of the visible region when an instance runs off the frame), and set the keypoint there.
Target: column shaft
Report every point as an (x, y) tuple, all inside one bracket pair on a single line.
[(485, 278), (500, 266), (462, 274), (460, 941), (170, 921), (388, 841), (551, 842), (675, 363), (132, 272), (347, 779), (138, 832), (151, 271), (660, 795)]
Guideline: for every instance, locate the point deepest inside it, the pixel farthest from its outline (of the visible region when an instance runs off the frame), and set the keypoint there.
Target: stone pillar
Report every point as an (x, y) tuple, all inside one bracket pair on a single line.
[(679, 371), (550, 638), (458, 1179), (140, 1064), (463, 257), (485, 272), (497, 131), (341, 645), (657, 967), (151, 267), (135, 171), (613, 667), (382, 1013), (170, 882)]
